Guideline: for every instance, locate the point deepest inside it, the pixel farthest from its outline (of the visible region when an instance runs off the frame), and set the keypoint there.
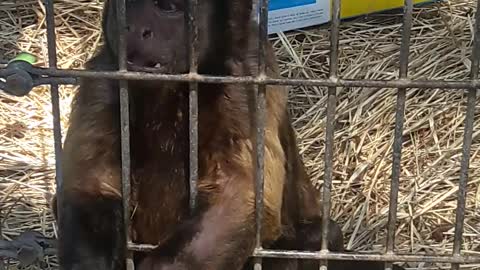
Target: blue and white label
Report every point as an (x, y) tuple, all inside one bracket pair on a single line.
[(286, 15), (282, 4)]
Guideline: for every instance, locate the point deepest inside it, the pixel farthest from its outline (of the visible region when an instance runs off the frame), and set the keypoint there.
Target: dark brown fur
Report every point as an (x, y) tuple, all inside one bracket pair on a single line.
[(220, 233)]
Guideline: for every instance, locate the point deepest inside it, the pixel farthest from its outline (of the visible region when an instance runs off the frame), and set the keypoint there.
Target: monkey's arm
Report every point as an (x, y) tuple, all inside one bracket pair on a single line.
[(221, 237), (91, 210)]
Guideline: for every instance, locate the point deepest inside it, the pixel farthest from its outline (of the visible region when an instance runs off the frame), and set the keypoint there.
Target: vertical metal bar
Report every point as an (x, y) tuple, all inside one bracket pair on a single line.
[(406, 34), (193, 100), (260, 104), (125, 127), (467, 142), (122, 26), (57, 132), (259, 165), (263, 36), (330, 128), (2, 263), (398, 133)]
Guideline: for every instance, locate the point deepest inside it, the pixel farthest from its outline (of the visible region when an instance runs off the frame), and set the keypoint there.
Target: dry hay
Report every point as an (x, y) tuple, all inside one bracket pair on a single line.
[(441, 42)]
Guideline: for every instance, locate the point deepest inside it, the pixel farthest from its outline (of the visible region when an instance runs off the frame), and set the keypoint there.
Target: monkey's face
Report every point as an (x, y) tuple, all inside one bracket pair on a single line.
[(156, 33)]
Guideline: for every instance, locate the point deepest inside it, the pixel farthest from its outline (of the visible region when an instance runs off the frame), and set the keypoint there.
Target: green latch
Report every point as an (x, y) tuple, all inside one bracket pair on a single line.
[(25, 57)]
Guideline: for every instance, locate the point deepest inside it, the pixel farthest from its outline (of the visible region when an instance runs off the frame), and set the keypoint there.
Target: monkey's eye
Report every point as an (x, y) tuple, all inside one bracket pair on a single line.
[(166, 5)]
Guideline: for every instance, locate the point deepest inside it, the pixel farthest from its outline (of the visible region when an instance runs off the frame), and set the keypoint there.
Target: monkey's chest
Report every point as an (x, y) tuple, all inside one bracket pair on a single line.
[(159, 172), (159, 204)]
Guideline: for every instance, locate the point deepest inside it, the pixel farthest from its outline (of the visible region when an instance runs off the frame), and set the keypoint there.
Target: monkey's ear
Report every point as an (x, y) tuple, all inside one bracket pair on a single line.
[(239, 19)]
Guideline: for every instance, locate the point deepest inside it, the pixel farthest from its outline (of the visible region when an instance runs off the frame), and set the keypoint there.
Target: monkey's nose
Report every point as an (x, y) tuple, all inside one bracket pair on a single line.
[(143, 33), (147, 34)]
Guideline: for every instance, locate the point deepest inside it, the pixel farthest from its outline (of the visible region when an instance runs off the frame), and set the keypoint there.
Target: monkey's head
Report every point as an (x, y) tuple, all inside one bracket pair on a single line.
[(157, 33)]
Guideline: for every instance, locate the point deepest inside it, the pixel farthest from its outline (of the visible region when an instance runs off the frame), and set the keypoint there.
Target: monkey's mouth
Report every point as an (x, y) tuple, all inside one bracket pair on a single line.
[(151, 67)]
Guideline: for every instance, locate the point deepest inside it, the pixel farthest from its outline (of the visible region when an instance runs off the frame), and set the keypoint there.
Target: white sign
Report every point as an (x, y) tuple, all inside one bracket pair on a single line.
[(286, 15)]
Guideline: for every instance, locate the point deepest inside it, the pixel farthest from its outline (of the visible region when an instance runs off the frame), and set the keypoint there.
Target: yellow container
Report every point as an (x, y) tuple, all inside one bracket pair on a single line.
[(352, 8)]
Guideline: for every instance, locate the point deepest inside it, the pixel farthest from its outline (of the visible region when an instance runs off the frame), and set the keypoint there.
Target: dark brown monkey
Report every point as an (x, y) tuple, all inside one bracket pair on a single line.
[(220, 233)]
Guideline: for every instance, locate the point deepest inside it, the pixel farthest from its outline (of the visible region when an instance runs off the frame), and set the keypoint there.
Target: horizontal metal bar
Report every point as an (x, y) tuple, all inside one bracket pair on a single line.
[(294, 254), (297, 254), (140, 247), (118, 75), (54, 80)]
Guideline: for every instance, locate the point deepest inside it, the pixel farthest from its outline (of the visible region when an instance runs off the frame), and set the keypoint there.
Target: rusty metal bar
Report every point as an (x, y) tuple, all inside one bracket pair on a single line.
[(2, 262), (259, 123), (263, 36), (125, 127), (63, 76), (298, 254), (467, 142), (330, 129), (141, 247), (193, 100), (398, 133), (260, 105), (56, 80), (57, 128)]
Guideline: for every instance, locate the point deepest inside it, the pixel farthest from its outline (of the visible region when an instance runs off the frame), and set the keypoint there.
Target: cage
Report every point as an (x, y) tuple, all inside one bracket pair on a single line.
[(19, 77)]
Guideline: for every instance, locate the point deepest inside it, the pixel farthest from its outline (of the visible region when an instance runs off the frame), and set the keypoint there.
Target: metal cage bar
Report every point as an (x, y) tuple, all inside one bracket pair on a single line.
[(54, 76), (125, 128), (64, 76), (330, 129), (467, 142), (193, 100), (259, 128), (57, 128), (298, 254), (259, 168), (398, 133)]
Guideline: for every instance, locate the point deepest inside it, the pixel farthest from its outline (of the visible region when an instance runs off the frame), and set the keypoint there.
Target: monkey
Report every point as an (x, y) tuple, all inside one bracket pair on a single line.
[(220, 232)]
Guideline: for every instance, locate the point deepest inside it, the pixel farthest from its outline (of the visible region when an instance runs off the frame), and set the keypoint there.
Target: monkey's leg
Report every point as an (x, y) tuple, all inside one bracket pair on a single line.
[(92, 236), (91, 223)]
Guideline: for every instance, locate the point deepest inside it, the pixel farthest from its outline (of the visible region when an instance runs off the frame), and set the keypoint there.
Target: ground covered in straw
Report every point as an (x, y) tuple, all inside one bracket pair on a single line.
[(369, 48)]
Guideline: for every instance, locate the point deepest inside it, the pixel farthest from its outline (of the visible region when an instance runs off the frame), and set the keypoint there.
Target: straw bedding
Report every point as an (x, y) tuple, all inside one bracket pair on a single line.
[(369, 49)]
